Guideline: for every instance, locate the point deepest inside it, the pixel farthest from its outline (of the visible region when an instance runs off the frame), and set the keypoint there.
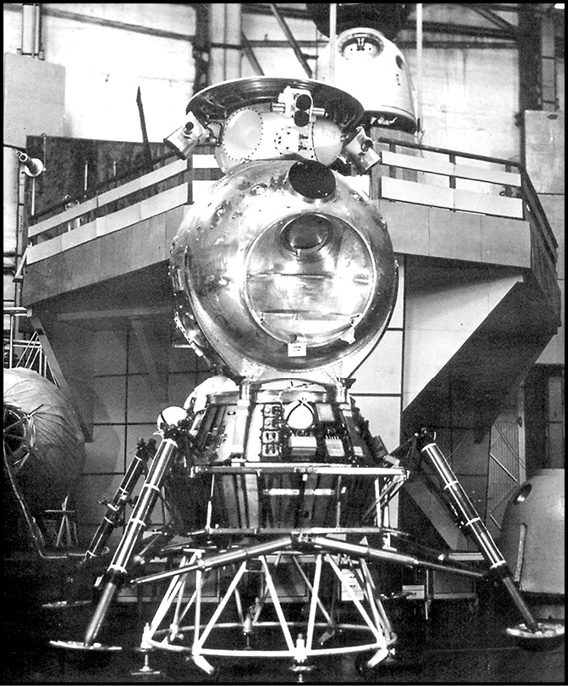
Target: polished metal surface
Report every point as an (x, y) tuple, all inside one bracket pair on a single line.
[(285, 266)]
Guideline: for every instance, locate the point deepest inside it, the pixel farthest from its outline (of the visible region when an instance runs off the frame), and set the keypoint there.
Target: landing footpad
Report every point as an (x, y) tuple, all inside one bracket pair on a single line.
[(547, 636), (77, 645)]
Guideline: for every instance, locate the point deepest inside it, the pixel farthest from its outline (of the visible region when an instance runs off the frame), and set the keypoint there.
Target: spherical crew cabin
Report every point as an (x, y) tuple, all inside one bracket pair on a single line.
[(284, 279)]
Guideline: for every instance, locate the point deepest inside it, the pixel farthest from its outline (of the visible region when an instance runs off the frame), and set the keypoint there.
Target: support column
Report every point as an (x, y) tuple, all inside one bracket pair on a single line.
[(537, 58), (225, 28), (13, 218)]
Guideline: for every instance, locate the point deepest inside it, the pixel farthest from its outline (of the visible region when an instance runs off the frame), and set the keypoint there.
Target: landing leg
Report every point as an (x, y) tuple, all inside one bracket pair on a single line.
[(460, 505)]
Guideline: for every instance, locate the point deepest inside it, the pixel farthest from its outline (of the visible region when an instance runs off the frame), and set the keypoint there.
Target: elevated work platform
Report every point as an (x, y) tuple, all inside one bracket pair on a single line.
[(479, 261)]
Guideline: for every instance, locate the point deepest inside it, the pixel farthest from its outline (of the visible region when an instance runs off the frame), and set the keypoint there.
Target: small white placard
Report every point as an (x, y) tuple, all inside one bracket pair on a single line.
[(297, 349)]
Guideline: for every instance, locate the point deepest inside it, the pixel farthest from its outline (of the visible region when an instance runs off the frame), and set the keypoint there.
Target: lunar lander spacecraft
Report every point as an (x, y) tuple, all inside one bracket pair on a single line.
[(284, 280)]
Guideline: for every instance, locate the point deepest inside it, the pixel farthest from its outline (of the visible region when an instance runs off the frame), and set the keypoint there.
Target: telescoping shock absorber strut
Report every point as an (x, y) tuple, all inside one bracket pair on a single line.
[(171, 429), (462, 508), (116, 507), (117, 570)]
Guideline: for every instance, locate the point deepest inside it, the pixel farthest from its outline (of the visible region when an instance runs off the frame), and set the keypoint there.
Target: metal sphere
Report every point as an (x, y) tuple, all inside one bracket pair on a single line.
[(284, 265)]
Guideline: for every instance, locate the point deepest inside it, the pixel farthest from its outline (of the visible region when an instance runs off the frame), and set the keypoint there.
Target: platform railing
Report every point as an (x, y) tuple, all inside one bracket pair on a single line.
[(471, 183), (151, 194)]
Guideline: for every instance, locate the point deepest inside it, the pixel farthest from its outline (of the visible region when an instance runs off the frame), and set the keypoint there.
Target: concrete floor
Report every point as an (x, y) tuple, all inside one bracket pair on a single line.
[(462, 642)]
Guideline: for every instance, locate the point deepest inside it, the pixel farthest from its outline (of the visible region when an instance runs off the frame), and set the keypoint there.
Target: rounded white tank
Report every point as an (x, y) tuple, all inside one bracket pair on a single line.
[(372, 69), (532, 533)]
